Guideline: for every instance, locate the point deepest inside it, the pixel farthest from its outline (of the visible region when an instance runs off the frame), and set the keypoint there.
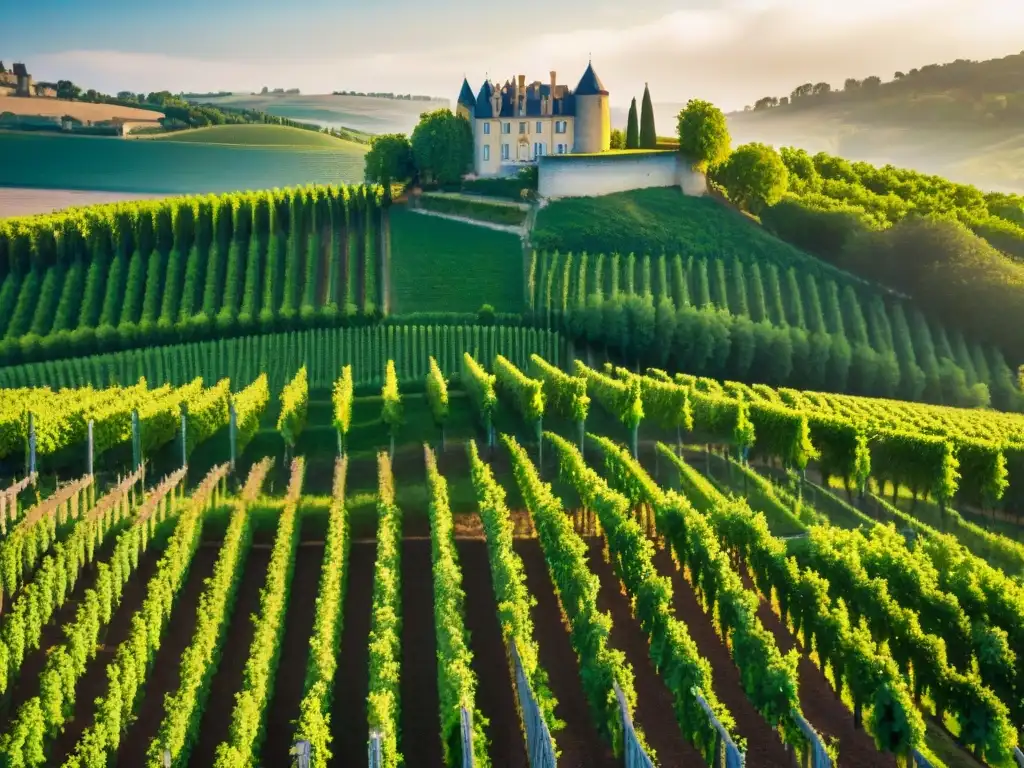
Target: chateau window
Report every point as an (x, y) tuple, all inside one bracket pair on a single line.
[(538, 149), (522, 127), (487, 153), (540, 127), (506, 127), (560, 126), (561, 149), (487, 128), (504, 152)]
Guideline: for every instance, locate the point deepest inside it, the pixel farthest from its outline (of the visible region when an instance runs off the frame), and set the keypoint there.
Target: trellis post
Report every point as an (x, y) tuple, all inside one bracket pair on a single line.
[(136, 442), (184, 434), (233, 431), (31, 444), (91, 450)]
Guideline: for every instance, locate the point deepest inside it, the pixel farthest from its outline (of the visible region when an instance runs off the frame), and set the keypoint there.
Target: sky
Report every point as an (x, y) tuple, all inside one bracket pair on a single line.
[(730, 52)]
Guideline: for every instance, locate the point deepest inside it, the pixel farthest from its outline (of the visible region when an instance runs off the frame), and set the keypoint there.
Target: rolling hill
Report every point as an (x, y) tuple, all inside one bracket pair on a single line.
[(962, 120), (255, 135)]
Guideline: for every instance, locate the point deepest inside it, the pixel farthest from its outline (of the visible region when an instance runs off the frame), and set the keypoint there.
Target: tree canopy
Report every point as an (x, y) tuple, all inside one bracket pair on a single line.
[(389, 160), (618, 139), (754, 176), (703, 134), (632, 128), (648, 132), (442, 147)]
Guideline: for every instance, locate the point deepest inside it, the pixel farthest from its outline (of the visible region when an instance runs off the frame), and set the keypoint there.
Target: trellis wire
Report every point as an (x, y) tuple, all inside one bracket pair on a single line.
[(539, 748)]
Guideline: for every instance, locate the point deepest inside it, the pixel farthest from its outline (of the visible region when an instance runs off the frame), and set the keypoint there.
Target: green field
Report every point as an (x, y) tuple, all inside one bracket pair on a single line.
[(438, 265), (661, 220), (258, 135), (172, 167), (361, 113)]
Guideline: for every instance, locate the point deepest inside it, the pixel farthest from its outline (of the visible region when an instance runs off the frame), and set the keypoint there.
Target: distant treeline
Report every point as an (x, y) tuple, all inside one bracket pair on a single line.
[(196, 96), (992, 90), (396, 96)]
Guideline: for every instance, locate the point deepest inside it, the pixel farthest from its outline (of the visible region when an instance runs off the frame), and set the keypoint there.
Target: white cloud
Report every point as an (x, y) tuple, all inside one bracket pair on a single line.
[(731, 52)]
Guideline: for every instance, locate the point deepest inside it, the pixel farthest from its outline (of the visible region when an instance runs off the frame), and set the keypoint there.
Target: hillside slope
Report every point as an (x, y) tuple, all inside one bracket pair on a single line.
[(963, 120), (256, 135)]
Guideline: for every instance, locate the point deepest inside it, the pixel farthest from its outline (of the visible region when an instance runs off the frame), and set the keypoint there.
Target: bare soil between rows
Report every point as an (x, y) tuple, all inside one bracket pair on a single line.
[(291, 673), (93, 683), (227, 681), (579, 742), (495, 698), (349, 730), (166, 673)]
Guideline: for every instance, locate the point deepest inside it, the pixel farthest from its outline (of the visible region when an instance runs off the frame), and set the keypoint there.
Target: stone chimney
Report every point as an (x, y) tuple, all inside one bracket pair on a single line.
[(551, 102)]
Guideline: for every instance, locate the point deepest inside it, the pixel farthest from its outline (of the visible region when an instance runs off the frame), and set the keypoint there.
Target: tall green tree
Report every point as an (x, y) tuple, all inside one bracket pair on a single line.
[(703, 134), (632, 128), (648, 133), (389, 160), (618, 139), (442, 147), (754, 176)]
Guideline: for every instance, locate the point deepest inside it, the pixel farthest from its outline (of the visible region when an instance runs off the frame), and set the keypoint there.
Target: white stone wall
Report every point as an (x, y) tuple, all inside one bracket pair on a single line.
[(594, 176)]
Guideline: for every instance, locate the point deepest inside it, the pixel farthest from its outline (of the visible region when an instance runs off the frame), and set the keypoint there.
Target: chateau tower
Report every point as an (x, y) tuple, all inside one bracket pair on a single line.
[(593, 115)]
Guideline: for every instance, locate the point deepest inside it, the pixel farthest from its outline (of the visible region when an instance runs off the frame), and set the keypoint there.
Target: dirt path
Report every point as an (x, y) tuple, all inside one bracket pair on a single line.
[(291, 672), (822, 708), (165, 675), (420, 740), (348, 713), (654, 712), (495, 698), (579, 741), (764, 747), (93, 683), (216, 719)]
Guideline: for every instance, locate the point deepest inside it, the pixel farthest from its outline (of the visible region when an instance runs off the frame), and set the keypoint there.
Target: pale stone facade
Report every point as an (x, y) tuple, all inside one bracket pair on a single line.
[(517, 123)]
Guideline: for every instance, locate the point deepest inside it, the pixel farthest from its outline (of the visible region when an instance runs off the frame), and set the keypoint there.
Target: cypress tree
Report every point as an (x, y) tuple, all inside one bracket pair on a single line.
[(703, 297), (743, 345), (1005, 392), (663, 287), (776, 312), (646, 287), (793, 300), (865, 361), (912, 380), (758, 309), (632, 128), (738, 305), (962, 356), (721, 288), (664, 328), (595, 301), (648, 133), (924, 347), (680, 283)]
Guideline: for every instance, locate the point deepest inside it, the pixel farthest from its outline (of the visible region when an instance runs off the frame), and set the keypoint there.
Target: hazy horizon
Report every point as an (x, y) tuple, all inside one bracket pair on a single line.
[(730, 51)]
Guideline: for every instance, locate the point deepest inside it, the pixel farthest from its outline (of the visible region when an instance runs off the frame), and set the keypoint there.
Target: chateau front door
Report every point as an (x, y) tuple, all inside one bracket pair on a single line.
[(523, 155)]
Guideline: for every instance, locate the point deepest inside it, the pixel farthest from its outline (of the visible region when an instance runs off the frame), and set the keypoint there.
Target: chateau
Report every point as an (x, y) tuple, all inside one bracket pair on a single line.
[(515, 124)]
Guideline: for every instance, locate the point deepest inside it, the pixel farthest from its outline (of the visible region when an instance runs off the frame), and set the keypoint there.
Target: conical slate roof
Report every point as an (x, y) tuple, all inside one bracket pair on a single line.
[(466, 96), (590, 84), (482, 102)]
